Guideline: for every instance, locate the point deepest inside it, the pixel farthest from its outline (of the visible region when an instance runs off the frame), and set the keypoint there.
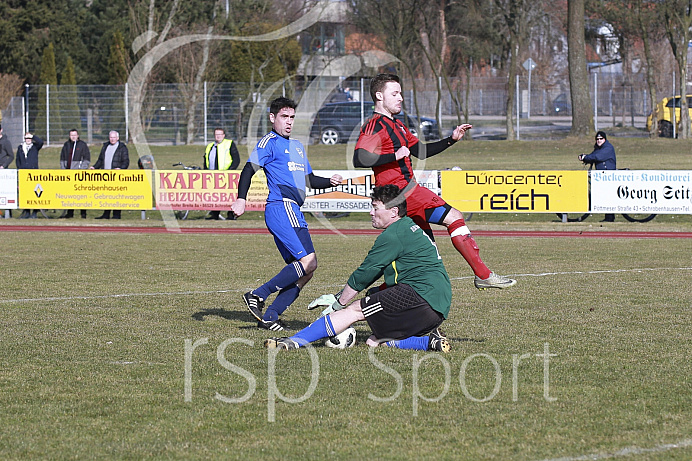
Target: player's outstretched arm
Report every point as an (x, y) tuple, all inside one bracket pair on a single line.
[(423, 151), (459, 131), (319, 182)]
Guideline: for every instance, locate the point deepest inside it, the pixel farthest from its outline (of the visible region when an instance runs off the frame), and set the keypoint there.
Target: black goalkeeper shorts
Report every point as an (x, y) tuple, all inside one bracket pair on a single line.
[(398, 312)]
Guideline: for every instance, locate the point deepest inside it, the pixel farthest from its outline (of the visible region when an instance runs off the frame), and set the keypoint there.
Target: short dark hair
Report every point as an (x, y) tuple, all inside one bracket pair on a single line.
[(378, 83), (281, 103), (391, 196), (219, 129), (75, 130)]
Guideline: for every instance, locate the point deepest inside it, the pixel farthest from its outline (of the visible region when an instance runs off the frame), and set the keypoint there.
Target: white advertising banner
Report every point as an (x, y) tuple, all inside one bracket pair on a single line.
[(353, 194), (635, 191), (8, 189)]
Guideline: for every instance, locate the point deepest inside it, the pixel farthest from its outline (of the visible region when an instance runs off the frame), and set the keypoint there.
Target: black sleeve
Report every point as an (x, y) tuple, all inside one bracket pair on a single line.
[(317, 182), (38, 142), (87, 154), (365, 159), (235, 157), (100, 159), (246, 179), (125, 160), (432, 148), (9, 153)]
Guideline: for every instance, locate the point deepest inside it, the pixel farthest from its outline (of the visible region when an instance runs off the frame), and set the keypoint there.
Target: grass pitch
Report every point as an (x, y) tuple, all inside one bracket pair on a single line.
[(133, 346)]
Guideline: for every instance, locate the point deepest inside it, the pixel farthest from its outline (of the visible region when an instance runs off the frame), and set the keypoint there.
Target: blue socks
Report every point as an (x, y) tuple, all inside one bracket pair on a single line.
[(284, 299), (291, 273), (319, 329), (418, 343)]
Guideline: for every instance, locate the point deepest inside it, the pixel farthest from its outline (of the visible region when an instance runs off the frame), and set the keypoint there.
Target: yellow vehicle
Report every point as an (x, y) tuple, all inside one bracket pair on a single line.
[(664, 114)]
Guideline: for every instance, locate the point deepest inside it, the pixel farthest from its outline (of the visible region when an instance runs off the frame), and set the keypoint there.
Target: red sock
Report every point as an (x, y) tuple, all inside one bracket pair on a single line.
[(466, 245)]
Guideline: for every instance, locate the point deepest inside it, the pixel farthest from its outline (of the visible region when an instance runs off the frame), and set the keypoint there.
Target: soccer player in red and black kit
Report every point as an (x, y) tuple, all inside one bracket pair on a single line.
[(385, 145)]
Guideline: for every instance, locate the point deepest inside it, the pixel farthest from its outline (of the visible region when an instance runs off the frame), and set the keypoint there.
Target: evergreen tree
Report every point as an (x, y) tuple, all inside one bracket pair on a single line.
[(118, 69), (48, 117), (68, 97)]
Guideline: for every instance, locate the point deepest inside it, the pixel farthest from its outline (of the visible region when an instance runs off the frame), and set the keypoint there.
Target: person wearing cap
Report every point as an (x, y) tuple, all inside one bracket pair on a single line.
[(27, 159), (602, 158)]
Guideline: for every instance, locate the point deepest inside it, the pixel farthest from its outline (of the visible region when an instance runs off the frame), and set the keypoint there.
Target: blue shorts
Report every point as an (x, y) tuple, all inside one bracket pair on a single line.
[(287, 224)]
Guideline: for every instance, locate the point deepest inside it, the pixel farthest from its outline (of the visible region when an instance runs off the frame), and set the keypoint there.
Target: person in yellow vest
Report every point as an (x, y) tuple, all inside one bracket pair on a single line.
[(222, 154)]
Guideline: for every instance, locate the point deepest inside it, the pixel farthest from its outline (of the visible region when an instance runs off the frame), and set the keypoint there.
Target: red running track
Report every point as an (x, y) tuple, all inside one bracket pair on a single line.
[(323, 231)]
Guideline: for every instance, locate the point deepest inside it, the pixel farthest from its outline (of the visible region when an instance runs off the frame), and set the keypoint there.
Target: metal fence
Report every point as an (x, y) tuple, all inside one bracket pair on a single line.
[(13, 121), (182, 114)]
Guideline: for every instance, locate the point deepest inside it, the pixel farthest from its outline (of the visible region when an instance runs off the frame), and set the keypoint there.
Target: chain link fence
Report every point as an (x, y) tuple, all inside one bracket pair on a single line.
[(174, 114)]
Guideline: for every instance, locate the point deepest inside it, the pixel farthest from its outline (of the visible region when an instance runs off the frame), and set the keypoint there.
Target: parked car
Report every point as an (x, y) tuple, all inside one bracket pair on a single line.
[(337, 122), (562, 105), (664, 114)]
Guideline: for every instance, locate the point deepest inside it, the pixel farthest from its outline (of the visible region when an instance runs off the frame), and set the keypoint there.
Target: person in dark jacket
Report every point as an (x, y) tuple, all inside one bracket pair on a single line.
[(114, 156), (6, 154), (603, 158), (75, 155), (27, 159)]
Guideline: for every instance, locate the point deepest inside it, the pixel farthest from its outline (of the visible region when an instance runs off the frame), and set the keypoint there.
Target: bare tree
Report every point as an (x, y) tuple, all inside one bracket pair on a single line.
[(582, 116), (516, 22), (395, 22), (10, 86), (650, 30), (677, 16), (621, 18)]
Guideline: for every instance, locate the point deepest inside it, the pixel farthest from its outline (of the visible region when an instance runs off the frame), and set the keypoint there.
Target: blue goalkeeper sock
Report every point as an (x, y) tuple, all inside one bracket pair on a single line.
[(284, 299), (291, 273), (319, 329), (418, 343)]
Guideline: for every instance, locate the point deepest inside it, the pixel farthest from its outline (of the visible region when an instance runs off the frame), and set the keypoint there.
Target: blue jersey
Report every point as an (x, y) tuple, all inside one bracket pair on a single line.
[(285, 164)]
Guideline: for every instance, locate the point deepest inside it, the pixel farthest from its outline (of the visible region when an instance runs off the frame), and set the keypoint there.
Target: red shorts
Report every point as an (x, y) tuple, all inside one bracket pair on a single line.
[(419, 199)]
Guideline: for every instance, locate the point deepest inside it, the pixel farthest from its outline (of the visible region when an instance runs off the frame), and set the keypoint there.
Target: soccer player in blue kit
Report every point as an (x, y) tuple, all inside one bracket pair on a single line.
[(288, 172)]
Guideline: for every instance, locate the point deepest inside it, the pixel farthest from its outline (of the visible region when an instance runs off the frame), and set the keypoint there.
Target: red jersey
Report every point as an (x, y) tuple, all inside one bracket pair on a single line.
[(380, 137)]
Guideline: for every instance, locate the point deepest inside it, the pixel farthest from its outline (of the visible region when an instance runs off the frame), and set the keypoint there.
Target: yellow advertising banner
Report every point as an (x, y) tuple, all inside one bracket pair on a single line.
[(85, 189), (206, 190), (517, 191)]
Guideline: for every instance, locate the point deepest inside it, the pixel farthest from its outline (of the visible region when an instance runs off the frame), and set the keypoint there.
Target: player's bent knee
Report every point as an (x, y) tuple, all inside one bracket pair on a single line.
[(309, 263)]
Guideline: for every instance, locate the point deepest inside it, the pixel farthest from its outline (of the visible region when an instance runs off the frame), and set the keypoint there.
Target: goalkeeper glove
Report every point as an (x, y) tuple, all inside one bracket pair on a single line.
[(330, 301)]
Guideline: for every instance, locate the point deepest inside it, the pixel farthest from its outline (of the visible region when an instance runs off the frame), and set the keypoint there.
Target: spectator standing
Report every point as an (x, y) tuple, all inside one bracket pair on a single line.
[(6, 154), (602, 158), (27, 159), (222, 154), (114, 156), (75, 155)]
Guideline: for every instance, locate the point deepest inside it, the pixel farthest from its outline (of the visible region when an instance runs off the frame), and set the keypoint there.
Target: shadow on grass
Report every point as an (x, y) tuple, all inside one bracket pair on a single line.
[(243, 316), (466, 340)]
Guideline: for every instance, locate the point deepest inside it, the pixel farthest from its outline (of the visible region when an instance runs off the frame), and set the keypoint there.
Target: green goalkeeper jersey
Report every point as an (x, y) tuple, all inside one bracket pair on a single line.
[(403, 253)]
